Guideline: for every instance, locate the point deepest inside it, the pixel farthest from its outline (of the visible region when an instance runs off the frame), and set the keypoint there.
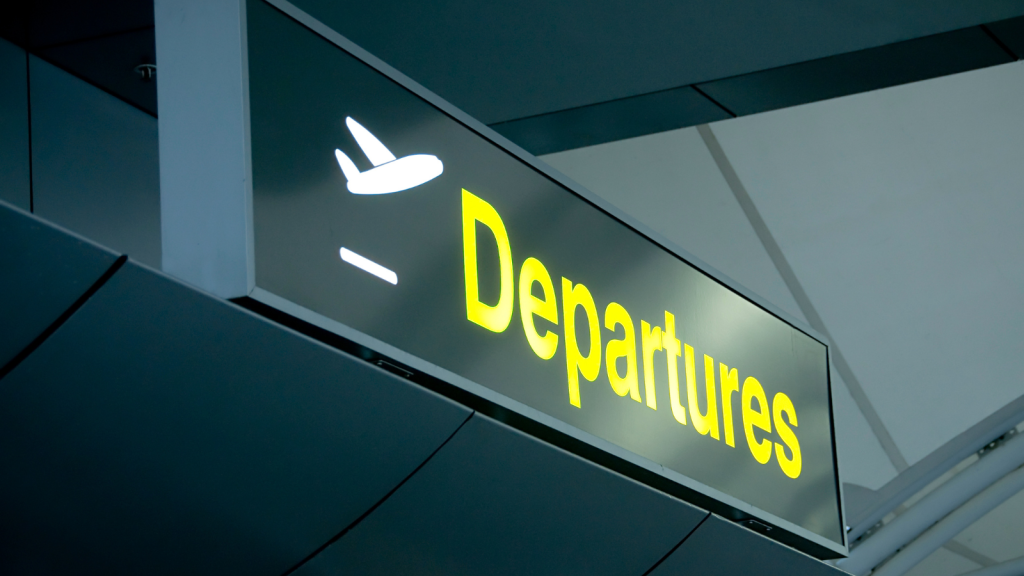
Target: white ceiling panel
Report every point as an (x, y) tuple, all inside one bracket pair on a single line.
[(942, 562), (861, 458), (1000, 533), (899, 212)]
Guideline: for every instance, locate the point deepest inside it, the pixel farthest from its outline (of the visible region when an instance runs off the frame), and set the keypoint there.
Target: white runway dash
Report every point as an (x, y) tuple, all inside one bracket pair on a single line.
[(368, 265)]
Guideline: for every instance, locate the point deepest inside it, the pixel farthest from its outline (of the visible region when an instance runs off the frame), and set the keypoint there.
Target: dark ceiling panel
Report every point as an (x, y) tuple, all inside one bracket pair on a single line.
[(44, 272), (495, 501), (856, 72), (109, 63), (610, 121), (96, 167), (722, 548), (41, 23), (1011, 34), (163, 431), (502, 61), (559, 75), (14, 163)]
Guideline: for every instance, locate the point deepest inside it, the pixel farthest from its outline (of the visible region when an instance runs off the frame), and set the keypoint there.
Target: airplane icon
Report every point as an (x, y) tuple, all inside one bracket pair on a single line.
[(389, 174)]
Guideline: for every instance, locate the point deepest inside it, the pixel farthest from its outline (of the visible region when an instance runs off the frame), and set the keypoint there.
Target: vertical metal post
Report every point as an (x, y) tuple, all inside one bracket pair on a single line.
[(205, 163)]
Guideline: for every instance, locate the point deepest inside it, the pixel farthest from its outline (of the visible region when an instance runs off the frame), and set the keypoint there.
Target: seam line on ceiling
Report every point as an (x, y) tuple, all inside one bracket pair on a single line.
[(988, 32), (377, 504), (64, 317), (713, 101), (676, 547), (969, 553), (802, 300), (602, 103)]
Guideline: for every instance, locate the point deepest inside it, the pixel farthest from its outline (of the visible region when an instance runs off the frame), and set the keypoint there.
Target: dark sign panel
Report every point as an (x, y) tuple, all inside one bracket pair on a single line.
[(379, 214)]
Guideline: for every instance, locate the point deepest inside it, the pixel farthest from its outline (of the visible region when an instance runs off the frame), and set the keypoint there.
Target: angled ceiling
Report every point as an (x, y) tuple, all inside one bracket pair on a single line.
[(556, 76), (504, 61), (898, 212)]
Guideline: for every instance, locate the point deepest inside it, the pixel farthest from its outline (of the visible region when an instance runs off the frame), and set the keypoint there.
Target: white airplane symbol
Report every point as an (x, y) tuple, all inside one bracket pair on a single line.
[(389, 174)]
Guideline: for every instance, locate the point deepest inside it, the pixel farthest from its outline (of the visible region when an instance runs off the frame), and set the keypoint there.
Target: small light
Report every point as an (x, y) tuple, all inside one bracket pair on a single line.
[(368, 266), (147, 72)]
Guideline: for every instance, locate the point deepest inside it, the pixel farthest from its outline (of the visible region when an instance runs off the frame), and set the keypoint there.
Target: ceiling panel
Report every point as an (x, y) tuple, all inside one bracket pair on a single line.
[(942, 562), (40, 23), (610, 121), (1000, 533), (862, 460), (495, 501), (855, 72), (899, 212), (110, 62), (722, 548), (501, 61), (95, 163), (44, 272), (14, 166), (163, 431), (1011, 33)]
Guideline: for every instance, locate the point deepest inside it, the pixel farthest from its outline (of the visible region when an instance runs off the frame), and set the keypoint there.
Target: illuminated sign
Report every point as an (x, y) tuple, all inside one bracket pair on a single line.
[(473, 264), (497, 318), (389, 174)]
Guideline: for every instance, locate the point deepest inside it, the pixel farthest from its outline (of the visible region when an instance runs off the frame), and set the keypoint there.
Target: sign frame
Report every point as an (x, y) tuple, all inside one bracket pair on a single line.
[(241, 288)]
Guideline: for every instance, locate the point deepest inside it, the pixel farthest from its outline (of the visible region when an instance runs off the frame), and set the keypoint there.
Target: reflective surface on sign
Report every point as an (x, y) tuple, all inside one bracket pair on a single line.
[(368, 265), (620, 338)]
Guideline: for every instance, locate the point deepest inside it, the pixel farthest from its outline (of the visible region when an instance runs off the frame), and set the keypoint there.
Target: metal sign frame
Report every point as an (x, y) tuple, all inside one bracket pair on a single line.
[(181, 200)]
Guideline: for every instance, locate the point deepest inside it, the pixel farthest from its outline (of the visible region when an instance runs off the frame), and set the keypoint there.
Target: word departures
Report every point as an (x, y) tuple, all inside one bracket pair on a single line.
[(389, 219), (624, 355)]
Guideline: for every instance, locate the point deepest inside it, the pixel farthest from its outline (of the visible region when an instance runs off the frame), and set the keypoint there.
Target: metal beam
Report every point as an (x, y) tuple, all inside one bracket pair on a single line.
[(937, 504), (1013, 567), (925, 471), (969, 553), (955, 523)]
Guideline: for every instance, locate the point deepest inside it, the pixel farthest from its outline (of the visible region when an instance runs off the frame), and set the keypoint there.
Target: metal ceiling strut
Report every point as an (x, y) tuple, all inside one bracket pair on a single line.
[(935, 506)]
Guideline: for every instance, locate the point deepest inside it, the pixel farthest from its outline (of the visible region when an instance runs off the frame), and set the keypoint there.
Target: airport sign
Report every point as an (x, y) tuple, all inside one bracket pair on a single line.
[(386, 217)]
